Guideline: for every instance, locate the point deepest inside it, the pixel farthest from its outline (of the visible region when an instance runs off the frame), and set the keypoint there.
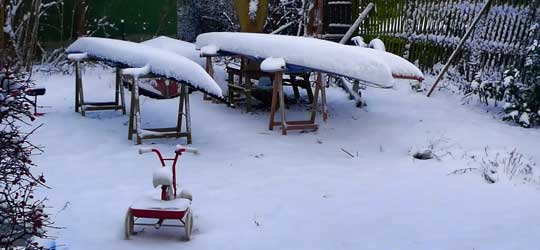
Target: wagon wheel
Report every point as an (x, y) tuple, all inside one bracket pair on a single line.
[(188, 225), (128, 224)]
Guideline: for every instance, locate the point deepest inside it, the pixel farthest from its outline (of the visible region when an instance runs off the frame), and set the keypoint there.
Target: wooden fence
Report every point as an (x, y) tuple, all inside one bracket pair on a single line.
[(427, 31)]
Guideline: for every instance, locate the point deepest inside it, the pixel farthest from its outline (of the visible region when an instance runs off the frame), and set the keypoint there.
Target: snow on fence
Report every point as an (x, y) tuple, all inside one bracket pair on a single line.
[(427, 31)]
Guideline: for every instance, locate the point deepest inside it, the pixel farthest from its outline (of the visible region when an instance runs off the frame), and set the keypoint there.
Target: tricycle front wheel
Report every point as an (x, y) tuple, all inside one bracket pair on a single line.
[(188, 225)]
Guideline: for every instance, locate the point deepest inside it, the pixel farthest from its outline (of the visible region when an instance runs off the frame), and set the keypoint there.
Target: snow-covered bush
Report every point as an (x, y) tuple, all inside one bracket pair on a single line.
[(523, 93), (511, 166), (519, 90), (22, 216)]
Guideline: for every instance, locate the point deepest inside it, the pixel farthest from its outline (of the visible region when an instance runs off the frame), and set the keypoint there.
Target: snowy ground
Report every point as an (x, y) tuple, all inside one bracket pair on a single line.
[(257, 189)]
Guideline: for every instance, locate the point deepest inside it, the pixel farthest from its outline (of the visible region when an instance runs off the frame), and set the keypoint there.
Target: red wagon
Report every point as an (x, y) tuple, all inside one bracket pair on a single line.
[(172, 205)]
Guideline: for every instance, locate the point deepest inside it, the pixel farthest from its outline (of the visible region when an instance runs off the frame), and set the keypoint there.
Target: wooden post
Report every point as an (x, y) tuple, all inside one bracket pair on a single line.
[(231, 90), (77, 79), (279, 81), (210, 71), (181, 108), (188, 115), (132, 110), (274, 102), (248, 92), (315, 103), (137, 109), (460, 46), (294, 84), (117, 87), (323, 100), (122, 95), (308, 87), (80, 89)]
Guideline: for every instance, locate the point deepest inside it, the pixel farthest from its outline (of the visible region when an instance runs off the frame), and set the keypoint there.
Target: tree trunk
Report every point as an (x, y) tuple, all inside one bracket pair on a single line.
[(188, 20), (79, 19), (315, 22), (250, 23), (32, 34), (2, 22)]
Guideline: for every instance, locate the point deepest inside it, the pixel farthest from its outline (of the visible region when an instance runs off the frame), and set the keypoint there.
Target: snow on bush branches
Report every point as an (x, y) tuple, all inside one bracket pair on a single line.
[(22, 216), (518, 90)]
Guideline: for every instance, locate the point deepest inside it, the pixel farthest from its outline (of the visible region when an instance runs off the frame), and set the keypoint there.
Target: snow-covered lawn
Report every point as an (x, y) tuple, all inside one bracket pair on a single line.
[(257, 189)]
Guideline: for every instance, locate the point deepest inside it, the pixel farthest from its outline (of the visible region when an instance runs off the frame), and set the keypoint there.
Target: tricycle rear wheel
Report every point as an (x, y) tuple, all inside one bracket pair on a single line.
[(128, 224)]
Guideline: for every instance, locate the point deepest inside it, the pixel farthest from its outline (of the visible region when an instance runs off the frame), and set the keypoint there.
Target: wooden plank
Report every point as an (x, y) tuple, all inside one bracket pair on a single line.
[(301, 127), (100, 104), (162, 135), (100, 108)]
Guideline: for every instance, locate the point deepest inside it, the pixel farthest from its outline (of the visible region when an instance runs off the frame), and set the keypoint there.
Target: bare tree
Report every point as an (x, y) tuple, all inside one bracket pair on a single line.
[(21, 26), (78, 22)]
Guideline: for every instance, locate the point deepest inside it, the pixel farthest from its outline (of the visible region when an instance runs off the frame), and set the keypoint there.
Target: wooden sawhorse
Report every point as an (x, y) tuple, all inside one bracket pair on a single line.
[(135, 118), (83, 106), (278, 101)]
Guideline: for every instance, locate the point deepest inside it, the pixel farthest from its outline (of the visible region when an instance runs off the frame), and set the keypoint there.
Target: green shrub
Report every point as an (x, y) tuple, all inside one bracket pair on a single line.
[(523, 91)]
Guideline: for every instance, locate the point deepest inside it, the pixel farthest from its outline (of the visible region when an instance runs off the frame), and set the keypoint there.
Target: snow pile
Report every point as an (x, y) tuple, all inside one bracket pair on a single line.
[(77, 57), (179, 47), (359, 41), (162, 176), (137, 72), (161, 62), (253, 8), (272, 64), (152, 201), (209, 50), (377, 44), (360, 63)]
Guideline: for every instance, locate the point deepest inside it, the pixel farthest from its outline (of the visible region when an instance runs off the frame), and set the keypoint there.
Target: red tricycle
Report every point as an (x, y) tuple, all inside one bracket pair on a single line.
[(172, 205)]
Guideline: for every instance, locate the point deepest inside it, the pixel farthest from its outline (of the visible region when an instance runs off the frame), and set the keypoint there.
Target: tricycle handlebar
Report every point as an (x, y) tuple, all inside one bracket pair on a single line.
[(145, 150), (180, 149)]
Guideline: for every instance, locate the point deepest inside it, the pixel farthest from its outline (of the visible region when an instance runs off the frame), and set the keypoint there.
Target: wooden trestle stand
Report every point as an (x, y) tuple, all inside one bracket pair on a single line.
[(83, 106), (135, 118), (278, 101)]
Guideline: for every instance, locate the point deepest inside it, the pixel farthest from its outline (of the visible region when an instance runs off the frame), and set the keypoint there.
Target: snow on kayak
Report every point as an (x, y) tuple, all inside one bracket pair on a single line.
[(160, 62), (364, 64)]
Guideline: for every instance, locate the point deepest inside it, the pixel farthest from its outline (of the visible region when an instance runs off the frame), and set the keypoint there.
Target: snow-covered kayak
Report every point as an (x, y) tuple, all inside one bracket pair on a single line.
[(364, 64), (179, 47), (161, 62)]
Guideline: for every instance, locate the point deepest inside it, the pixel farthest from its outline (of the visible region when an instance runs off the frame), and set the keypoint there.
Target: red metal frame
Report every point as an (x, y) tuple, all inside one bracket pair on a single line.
[(158, 214), (163, 214), (178, 153)]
